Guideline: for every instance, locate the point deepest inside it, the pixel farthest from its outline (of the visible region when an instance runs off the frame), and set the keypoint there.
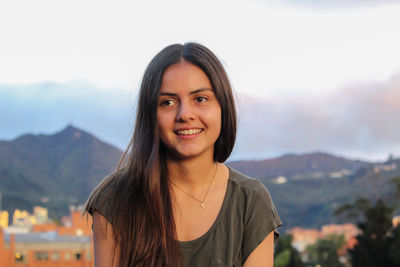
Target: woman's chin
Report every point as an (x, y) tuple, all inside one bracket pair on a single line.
[(190, 154)]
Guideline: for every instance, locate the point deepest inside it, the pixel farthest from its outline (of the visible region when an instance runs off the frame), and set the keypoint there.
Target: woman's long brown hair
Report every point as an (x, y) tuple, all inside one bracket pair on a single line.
[(139, 202)]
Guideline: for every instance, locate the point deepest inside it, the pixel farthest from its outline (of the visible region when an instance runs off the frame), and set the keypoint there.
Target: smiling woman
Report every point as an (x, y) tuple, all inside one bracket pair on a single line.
[(189, 115), (175, 202)]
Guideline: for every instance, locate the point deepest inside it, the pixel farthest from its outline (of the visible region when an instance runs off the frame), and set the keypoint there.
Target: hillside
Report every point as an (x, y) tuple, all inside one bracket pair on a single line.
[(57, 170), (53, 170), (295, 166), (308, 188)]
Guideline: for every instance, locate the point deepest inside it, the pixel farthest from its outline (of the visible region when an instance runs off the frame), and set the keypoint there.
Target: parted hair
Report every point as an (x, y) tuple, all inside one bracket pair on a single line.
[(137, 193)]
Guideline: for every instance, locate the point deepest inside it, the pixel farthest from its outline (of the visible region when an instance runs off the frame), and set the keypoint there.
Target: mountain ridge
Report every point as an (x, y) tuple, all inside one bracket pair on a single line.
[(53, 166), (64, 167), (294, 164)]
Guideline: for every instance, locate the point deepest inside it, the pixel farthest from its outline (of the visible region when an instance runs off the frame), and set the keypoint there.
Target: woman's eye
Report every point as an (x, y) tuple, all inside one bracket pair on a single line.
[(167, 102), (201, 99)]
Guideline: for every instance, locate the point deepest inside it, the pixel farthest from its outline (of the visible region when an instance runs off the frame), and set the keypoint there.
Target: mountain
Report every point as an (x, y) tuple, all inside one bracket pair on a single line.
[(308, 188), (295, 166), (53, 170), (61, 169)]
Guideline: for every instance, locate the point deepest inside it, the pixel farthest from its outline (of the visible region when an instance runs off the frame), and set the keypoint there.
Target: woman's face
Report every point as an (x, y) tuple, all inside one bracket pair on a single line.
[(188, 112)]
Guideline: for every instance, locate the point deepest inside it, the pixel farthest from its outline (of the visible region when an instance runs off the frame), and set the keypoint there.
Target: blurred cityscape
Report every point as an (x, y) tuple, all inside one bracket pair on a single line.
[(303, 241), (35, 240)]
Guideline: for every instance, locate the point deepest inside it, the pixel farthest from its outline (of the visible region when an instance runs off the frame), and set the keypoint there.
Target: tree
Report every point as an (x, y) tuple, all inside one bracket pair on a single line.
[(373, 243), (379, 242), (325, 251), (282, 259), (396, 182), (394, 251), (285, 254)]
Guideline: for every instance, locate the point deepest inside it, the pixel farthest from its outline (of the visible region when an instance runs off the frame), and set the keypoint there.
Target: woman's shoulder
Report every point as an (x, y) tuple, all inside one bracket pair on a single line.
[(251, 192), (102, 196), (259, 209), (246, 184)]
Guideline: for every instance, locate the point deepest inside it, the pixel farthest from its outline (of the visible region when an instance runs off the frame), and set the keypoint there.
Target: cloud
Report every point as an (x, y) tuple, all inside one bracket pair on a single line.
[(359, 120), (329, 4), (48, 107)]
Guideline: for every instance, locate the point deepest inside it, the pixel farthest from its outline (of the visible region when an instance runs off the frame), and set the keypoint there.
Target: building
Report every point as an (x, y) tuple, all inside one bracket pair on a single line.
[(4, 219), (48, 244), (304, 237), (41, 214), (22, 218), (396, 221), (348, 230), (78, 226), (45, 250)]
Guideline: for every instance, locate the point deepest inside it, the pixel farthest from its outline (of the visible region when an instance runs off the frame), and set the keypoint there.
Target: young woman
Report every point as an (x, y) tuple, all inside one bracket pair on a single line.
[(176, 203)]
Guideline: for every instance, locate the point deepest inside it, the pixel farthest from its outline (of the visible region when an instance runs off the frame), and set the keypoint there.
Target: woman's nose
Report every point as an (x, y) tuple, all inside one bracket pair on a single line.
[(185, 112)]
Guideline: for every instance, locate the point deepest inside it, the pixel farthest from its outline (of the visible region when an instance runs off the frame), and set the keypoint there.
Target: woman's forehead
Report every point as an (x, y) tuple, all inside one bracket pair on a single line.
[(184, 76)]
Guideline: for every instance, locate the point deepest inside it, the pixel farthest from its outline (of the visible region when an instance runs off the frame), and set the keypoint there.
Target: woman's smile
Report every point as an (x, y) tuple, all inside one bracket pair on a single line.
[(188, 134), (188, 131)]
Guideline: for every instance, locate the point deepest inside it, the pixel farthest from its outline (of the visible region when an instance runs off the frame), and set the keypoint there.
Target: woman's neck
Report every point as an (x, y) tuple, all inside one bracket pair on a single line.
[(191, 173)]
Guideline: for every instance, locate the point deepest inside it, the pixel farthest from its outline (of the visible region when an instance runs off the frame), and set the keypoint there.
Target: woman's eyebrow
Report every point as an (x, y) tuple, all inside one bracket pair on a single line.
[(200, 90), (191, 93), (166, 93)]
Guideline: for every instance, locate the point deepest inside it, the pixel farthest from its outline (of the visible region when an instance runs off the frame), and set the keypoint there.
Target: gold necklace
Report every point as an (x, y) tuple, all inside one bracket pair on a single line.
[(205, 195)]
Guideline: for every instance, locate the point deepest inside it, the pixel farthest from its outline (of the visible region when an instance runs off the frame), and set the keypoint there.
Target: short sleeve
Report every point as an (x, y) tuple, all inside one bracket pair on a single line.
[(261, 218), (101, 203)]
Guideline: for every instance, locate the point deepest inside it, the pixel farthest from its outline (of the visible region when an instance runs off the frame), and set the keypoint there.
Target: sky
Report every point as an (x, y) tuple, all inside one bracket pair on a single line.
[(307, 75)]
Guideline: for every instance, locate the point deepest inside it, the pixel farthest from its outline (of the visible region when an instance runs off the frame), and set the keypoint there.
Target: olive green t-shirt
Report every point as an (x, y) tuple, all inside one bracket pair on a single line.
[(246, 217)]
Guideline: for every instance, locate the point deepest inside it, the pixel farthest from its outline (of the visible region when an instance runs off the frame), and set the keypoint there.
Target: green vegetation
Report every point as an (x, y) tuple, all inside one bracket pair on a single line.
[(285, 254), (59, 170), (378, 239), (325, 251), (53, 171), (379, 242)]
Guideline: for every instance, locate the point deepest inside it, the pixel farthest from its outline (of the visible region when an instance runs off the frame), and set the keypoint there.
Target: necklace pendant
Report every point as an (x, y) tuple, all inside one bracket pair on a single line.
[(202, 205)]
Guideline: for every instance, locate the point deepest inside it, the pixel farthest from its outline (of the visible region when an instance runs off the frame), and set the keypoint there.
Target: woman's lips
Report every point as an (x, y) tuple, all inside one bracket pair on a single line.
[(187, 134), (184, 132)]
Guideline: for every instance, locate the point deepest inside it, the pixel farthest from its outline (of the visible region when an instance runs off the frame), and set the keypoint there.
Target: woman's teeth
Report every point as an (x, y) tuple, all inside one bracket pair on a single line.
[(191, 131)]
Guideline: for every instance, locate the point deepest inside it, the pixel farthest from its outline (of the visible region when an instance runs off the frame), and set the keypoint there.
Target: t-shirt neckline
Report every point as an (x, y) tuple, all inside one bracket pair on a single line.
[(215, 223)]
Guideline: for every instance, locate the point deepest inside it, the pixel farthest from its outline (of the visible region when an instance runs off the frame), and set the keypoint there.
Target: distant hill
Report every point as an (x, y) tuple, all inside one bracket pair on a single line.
[(61, 169), (308, 188), (53, 170), (292, 166)]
